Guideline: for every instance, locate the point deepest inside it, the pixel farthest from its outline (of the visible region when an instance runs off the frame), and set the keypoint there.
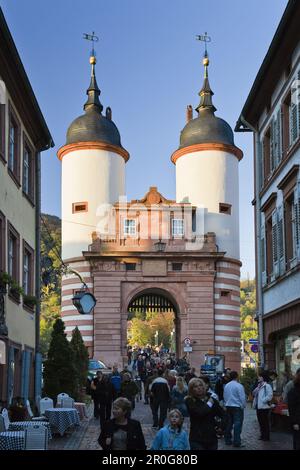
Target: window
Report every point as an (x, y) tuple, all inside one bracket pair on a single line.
[(2, 242), (130, 266), (224, 208), (266, 156), (176, 266), (13, 249), (178, 227), (28, 269), (2, 131), (291, 215), (286, 123), (129, 227), (79, 207), (28, 170), (225, 294), (14, 146), (295, 110)]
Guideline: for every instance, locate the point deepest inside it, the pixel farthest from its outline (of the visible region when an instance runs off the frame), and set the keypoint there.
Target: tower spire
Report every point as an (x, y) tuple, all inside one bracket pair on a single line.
[(206, 92), (93, 92)]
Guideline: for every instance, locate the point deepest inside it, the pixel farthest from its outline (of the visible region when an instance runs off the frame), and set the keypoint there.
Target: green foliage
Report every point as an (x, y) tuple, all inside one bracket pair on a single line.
[(51, 278), (81, 361), (248, 311), (142, 330), (60, 373), (248, 378)]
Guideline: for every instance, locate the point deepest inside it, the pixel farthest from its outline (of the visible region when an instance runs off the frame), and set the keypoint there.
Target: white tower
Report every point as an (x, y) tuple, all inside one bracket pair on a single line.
[(207, 171), (93, 172)]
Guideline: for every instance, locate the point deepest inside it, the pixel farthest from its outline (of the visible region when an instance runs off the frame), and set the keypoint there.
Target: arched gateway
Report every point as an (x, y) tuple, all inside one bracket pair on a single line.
[(147, 306)]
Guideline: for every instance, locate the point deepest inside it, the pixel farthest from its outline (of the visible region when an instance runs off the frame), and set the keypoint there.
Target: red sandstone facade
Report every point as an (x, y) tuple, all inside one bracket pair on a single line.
[(205, 292)]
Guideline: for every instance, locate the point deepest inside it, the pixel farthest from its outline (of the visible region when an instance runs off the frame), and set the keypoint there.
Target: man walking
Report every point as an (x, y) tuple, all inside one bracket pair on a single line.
[(235, 402)]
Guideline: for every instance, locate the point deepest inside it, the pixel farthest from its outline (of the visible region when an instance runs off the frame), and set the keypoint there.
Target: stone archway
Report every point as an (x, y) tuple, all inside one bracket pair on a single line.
[(142, 295)]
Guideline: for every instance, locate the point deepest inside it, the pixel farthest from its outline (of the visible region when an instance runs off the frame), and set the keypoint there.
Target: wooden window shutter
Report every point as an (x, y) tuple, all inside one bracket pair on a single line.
[(278, 140), (280, 232), (272, 145), (275, 246), (296, 217), (263, 254)]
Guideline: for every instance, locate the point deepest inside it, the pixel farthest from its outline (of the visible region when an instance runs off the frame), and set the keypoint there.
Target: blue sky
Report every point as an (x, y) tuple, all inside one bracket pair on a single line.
[(149, 69)]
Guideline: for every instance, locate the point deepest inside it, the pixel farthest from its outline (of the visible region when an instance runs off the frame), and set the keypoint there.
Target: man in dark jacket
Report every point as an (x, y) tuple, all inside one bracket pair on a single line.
[(221, 382), (293, 399), (160, 399)]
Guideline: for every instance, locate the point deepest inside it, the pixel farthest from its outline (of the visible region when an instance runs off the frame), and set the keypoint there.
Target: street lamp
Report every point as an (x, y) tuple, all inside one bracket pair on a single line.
[(83, 300), (156, 338), (160, 246)]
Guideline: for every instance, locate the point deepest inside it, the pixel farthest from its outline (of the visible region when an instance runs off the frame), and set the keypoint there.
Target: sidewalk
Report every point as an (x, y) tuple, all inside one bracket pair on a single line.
[(85, 437)]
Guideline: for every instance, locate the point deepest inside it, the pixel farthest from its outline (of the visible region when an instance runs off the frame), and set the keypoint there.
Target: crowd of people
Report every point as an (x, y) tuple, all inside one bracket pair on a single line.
[(175, 393)]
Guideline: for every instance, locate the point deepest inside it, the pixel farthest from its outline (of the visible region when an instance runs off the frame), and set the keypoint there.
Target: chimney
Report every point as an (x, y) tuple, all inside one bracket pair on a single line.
[(108, 113), (189, 112)]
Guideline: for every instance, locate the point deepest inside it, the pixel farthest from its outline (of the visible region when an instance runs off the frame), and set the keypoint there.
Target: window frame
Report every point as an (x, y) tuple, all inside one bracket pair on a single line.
[(15, 274), (31, 167), (2, 132), (2, 241), (15, 171), (27, 250), (174, 223), (127, 231)]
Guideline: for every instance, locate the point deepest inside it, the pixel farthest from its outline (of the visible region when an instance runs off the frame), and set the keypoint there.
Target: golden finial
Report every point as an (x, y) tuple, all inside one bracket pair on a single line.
[(93, 60)]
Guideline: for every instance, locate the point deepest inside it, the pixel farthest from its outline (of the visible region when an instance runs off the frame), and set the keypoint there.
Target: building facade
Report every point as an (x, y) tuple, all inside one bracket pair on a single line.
[(272, 113), (23, 135), (153, 253)]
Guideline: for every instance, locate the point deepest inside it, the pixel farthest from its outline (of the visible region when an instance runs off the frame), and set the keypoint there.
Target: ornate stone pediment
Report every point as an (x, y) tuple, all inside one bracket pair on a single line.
[(153, 197)]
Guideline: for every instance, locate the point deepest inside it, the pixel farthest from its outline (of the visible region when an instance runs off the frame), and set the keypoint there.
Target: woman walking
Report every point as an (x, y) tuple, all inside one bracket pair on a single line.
[(293, 399), (263, 395), (202, 410), (122, 432), (178, 394)]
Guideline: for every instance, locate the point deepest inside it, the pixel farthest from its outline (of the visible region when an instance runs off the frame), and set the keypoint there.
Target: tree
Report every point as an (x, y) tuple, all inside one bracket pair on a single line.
[(143, 328), (50, 278), (81, 361), (248, 312), (60, 373)]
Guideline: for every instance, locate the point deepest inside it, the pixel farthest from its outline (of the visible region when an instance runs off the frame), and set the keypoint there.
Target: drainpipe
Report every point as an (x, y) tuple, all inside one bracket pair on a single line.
[(37, 375), (260, 306)]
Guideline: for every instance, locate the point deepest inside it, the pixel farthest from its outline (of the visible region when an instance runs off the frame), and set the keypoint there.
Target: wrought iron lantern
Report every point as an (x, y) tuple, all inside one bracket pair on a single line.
[(84, 301), (160, 246)]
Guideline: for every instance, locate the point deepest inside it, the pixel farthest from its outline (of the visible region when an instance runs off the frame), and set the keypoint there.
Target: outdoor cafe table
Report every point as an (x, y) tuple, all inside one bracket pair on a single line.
[(62, 418), (22, 425), (80, 407), (12, 440)]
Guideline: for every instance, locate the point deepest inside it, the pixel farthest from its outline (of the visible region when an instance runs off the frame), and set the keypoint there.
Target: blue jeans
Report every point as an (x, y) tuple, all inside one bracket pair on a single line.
[(234, 419)]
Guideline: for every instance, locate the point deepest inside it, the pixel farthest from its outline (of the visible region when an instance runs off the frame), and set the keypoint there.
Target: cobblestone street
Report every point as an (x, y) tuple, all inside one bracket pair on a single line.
[(85, 437)]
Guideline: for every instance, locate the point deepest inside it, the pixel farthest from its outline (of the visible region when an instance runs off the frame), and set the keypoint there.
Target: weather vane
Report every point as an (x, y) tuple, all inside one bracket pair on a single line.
[(205, 39), (91, 37)]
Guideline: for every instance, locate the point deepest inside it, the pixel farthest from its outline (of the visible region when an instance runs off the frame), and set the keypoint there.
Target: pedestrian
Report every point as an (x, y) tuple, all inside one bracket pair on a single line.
[(129, 389), (293, 399), (220, 384), (178, 394), (160, 398), (116, 379), (172, 436), (263, 395), (202, 410), (104, 393), (122, 432), (235, 402), (94, 395)]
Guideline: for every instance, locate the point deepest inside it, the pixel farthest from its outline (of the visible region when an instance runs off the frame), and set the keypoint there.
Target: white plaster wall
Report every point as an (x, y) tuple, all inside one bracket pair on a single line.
[(283, 292), (205, 179), (93, 176)]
